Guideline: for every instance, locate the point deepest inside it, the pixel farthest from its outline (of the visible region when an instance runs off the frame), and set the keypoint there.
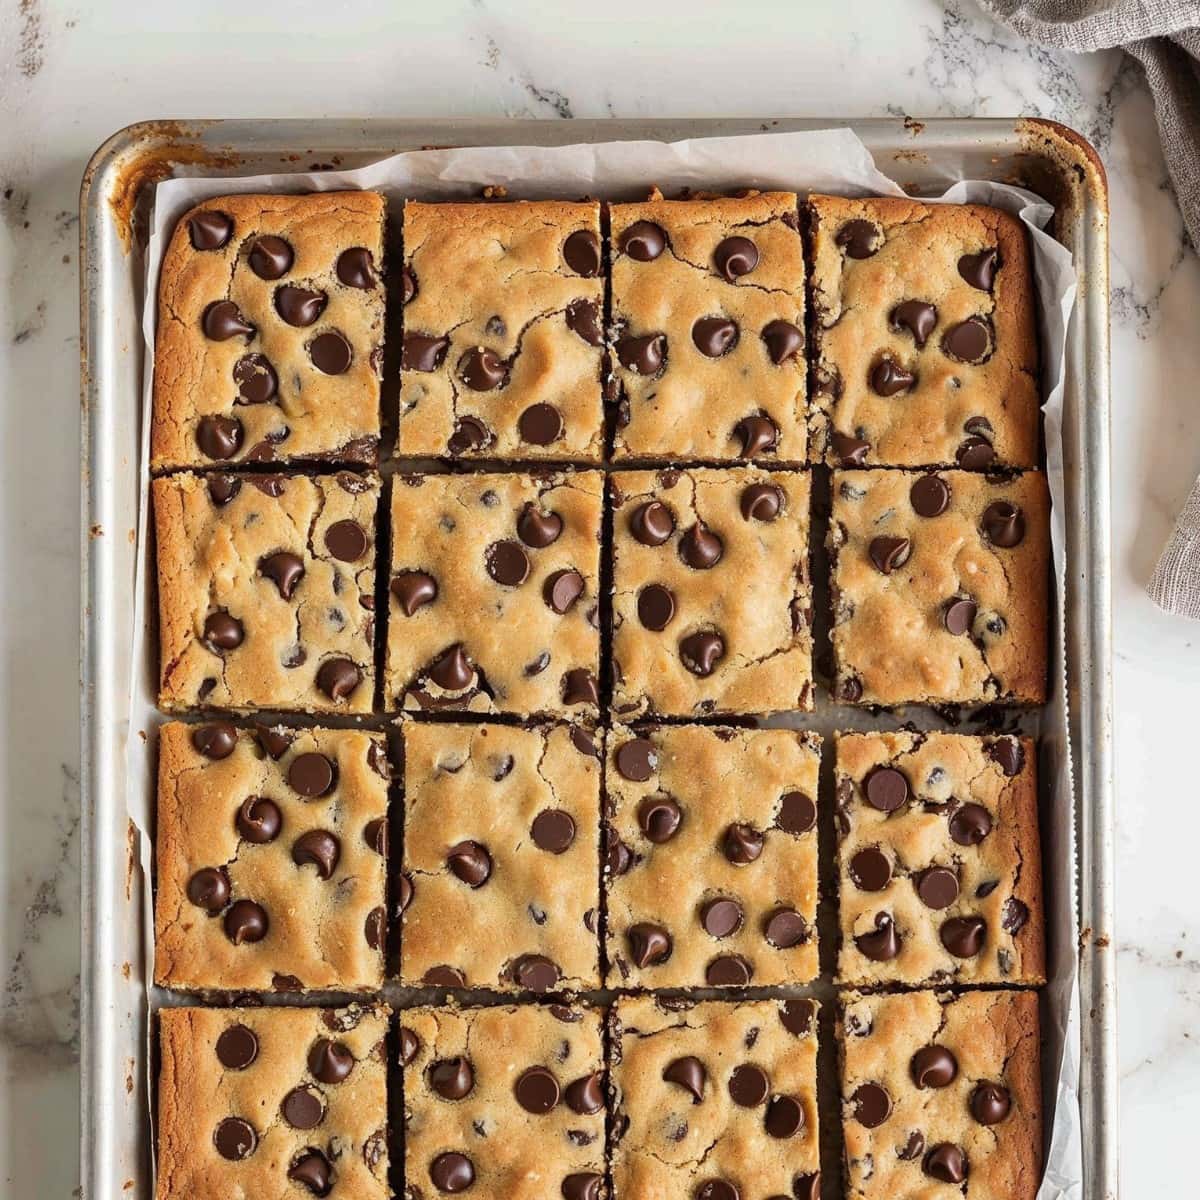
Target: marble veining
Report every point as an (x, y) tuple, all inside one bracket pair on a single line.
[(71, 74)]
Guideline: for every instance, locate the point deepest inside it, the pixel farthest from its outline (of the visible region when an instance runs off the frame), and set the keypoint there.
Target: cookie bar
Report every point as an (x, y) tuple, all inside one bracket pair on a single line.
[(715, 1101), (500, 884), (926, 352), (941, 1095), (939, 859), (273, 1103), (271, 858), (712, 601), (503, 331), (711, 856), (270, 332), (503, 1103), (708, 321), (266, 591), (940, 587), (494, 599)]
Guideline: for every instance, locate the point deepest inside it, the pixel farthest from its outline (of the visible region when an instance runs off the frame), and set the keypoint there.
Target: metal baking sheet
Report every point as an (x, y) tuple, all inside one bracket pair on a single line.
[(923, 156)]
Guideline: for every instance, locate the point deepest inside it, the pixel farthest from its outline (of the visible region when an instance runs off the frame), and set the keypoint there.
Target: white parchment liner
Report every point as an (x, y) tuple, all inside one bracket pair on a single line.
[(825, 160)]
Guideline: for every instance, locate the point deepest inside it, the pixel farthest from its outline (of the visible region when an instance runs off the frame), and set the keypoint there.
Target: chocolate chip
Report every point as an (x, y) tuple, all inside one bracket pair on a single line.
[(643, 355), (223, 488), (216, 740), (758, 434), (222, 320), (219, 437), (562, 590), (689, 1074), (889, 553), (917, 316), (452, 670), (302, 1108), (553, 830), (850, 451), (947, 1163), (859, 238), (882, 943), (256, 380), (990, 1103), (730, 970), (311, 775), (209, 889), (536, 1090), (785, 1117), (783, 341), (617, 856), (721, 917), (234, 1138), (970, 824), (785, 928), (275, 740), (659, 818), (643, 241), (540, 424), (330, 353), (535, 972), (318, 848), (583, 318), (482, 370), (237, 1048), (886, 788), (717, 1189), (581, 252), (284, 569), (408, 285), (656, 606), (798, 1016), (714, 337), (406, 891), (210, 230), (958, 615), (637, 759), (470, 862), (913, 1148), (807, 1187), (338, 678), (748, 1085), (701, 652), (375, 928), (270, 257), (652, 523), (313, 1171), (584, 1096), (979, 270), (975, 454), (888, 378), (329, 1061), (507, 563), (469, 434), (582, 1185), (1003, 524), (871, 870), (355, 268), (346, 540), (797, 813), (1007, 753), (259, 820), (246, 922), (413, 590), (700, 548), (872, 1105), (222, 632), (742, 844), (452, 1172), (579, 686), (937, 887), (963, 936), (1014, 916), (933, 1067), (735, 256), (298, 306), (648, 944), (452, 1078), (444, 976), (423, 351), (409, 1045)]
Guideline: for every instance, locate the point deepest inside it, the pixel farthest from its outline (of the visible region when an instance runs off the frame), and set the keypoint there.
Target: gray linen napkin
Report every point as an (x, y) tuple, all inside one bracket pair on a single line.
[(1164, 36)]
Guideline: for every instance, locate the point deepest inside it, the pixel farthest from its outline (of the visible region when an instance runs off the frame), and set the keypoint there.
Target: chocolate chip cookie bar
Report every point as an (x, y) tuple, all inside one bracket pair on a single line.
[(503, 331), (270, 859), (712, 600), (270, 332), (926, 352), (941, 1095), (500, 884), (715, 1101), (939, 859), (503, 1102), (494, 595), (710, 856), (272, 1103), (940, 587), (708, 321), (266, 591)]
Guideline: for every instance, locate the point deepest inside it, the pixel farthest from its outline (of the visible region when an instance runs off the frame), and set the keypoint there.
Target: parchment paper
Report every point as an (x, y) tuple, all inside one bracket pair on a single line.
[(827, 160)]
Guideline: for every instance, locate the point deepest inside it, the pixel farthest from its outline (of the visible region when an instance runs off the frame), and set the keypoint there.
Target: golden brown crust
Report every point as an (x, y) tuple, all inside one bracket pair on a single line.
[(999, 876), (757, 598), (196, 1092), (488, 784), (891, 640), (993, 1037), (691, 408), (715, 778), (915, 257), (210, 561), (495, 276), (325, 416), (317, 929)]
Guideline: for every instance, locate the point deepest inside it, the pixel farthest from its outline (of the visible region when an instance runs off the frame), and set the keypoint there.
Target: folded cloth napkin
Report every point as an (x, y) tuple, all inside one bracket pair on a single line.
[(1164, 36)]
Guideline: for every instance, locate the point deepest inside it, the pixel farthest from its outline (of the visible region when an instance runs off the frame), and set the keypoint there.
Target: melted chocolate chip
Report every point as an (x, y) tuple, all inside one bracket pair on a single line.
[(958, 615), (849, 451), (583, 318), (284, 569), (210, 230), (797, 813), (785, 1117), (219, 437), (721, 917), (797, 1016), (469, 434), (581, 252), (933, 1067), (652, 523), (423, 351), (452, 1078), (537, 1090), (553, 830), (969, 341), (785, 928), (659, 818), (298, 306), (507, 563), (215, 741), (947, 1163), (730, 970), (656, 606), (237, 1047), (540, 424), (975, 454), (452, 670), (330, 353), (636, 760), (714, 337), (259, 820), (761, 502), (579, 686), (929, 496), (222, 320), (701, 652), (872, 1105), (355, 268), (270, 257), (963, 936), (937, 887), (246, 922), (859, 238), (482, 370), (648, 944), (882, 943), (735, 256), (643, 355), (871, 870), (209, 889), (700, 548), (584, 1096), (338, 678), (886, 788), (318, 848), (889, 553), (311, 775), (888, 378), (1008, 754), (783, 341), (235, 1139), (970, 824), (470, 862), (643, 241), (742, 844), (990, 1103), (582, 1185), (917, 316), (413, 590), (302, 1108), (1004, 524), (758, 435), (256, 380), (979, 270), (748, 1085), (346, 540), (222, 632), (562, 590)]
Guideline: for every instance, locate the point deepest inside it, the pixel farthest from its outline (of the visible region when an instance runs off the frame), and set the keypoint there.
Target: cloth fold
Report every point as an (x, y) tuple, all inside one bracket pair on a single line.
[(1164, 37)]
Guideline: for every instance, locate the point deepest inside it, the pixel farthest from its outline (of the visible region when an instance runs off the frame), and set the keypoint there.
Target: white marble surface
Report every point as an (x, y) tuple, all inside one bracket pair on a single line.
[(71, 73)]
